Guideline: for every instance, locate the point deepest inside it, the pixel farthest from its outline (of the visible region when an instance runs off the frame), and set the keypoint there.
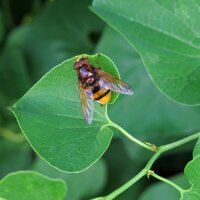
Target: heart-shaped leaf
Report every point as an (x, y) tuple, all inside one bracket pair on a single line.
[(166, 35), (50, 116), (31, 185)]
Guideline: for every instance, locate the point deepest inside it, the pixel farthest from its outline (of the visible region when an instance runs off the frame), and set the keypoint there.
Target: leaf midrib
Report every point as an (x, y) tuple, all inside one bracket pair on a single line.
[(57, 115)]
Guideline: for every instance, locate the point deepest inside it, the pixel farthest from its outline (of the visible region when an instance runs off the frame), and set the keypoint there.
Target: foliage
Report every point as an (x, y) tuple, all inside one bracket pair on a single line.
[(40, 42), (57, 134), (192, 173), (148, 103), (75, 181), (166, 34), (31, 185), (154, 191)]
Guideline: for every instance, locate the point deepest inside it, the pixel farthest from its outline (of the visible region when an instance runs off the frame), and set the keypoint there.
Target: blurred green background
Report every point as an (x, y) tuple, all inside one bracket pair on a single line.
[(35, 36)]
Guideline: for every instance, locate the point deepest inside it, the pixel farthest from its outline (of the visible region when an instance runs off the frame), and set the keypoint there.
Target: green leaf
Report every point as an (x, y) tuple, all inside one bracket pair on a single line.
[(147, 114), (31, 185), (166, 35), (13, 156), (13, 71), (61, 31), (163, 191), (95, 176), (192, 173), (14, 78), (50, 116), (196, 151)]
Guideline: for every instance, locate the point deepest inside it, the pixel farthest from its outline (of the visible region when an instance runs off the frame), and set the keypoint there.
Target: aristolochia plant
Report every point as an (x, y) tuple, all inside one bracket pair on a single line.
[(50, 117)]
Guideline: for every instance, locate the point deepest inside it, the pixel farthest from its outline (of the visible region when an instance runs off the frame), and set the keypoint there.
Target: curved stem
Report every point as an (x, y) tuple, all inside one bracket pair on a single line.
[(153, 159), (13, 137), (181, 190), (125, 186), (173, 145), (130, 137), (147, 170)]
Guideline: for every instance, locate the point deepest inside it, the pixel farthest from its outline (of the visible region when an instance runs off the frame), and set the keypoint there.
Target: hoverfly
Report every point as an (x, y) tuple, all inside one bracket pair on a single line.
[(95, 84)]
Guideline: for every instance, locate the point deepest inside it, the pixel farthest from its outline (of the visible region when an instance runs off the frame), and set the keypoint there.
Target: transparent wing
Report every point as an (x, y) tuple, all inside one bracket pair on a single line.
[(86, 99), (113, 83)]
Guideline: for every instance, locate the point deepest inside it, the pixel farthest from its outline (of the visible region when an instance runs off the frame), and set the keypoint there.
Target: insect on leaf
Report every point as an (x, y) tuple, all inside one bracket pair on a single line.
[(50, 116)]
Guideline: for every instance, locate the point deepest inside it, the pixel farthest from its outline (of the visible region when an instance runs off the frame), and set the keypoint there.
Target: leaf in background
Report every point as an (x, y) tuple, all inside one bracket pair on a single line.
[(31, 185), (163, 191), (62, 31), (84, 184), (192, 173), (148, 114), (13, 157), (2, 28), (166, 34), (50, 116), (14, 80)]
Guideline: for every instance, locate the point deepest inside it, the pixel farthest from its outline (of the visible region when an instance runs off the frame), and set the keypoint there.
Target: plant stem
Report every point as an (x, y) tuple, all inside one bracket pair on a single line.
[(168, 182), (147, 170), (173, 145), (130, 137), (13, 137), (170, 146), (153, 159), (125, 186)]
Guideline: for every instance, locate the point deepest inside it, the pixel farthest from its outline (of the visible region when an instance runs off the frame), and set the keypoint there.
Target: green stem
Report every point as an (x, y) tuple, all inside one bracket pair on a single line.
[(13, 137), (170, 146), (147, 170), (125, 186), (153, 158), (130, 137), (168, 182), (178, 143)]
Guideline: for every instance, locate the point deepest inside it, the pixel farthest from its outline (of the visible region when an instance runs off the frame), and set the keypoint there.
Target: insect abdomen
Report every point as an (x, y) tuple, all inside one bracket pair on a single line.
[(102, 96)]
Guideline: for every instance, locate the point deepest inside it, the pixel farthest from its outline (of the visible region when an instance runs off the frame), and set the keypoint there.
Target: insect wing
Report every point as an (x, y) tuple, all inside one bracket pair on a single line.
[(113, 83), (86, 99)]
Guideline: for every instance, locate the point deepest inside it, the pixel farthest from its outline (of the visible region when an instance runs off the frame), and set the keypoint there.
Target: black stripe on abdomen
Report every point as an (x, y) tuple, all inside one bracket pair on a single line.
[(103, 95)]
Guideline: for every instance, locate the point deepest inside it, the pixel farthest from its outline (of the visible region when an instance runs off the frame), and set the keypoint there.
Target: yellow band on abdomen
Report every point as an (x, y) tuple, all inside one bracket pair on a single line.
[(103, 96)]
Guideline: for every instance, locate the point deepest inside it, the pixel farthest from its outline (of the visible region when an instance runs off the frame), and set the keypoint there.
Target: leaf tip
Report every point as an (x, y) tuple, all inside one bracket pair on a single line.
[(12, 108)]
